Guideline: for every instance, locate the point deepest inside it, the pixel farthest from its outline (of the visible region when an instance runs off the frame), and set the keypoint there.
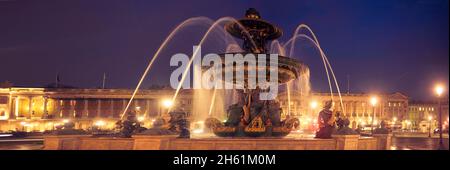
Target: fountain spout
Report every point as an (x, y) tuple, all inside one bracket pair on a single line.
[(260, 32)]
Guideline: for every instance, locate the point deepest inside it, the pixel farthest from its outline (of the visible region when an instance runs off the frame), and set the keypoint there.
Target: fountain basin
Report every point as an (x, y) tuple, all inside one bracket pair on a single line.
[(288, 69)]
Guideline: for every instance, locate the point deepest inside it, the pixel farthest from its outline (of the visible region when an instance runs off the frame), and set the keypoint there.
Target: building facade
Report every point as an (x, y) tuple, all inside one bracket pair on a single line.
[(391, 108), (39, 109), (423, 116)]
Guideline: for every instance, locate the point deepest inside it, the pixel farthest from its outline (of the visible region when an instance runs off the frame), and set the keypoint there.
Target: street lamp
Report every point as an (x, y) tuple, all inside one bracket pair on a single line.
[(430, 118), (373, 102), (439, 90)]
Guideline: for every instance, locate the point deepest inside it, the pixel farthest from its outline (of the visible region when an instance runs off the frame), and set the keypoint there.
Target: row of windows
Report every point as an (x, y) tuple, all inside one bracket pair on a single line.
[(421, 109), (394, 104)]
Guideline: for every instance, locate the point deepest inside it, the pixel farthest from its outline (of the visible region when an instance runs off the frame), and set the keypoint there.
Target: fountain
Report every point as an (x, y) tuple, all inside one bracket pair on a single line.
[(256, 123), (251, 116)]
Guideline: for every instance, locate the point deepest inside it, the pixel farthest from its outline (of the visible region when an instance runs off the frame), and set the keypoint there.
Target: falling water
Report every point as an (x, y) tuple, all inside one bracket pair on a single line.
[(276, 48), (198, 106), (327, 64), (163, 45), (188, 22), (219, 99), (288, 89)]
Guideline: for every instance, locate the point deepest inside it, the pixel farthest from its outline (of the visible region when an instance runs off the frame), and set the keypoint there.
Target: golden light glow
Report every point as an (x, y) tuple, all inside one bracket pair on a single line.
[(430, 118), (99, 123), (373, 100), (313, 104), (167, 103), (408, 122), (66, 121), (394, 119), (439, 89), (141, 118)]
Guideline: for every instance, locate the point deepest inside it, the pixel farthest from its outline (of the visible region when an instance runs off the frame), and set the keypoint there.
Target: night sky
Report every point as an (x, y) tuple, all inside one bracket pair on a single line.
[(384, 46)]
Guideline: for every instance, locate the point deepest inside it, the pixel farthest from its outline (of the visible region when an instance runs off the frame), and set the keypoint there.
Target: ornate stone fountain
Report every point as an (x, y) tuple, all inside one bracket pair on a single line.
[(251, 116)]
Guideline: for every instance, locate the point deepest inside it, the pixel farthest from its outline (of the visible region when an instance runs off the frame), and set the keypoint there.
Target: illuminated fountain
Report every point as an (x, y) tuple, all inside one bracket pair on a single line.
[(250, 116), (255, 34), (246, 115)]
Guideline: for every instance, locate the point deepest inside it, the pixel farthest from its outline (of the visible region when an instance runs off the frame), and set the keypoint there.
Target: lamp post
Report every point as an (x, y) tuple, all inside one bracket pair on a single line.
[(439, 89), (429, 126), (373, 102)]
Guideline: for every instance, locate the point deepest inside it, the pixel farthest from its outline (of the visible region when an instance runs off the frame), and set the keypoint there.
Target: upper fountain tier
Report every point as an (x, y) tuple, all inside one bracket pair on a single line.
[(260, 31), (255, 33)]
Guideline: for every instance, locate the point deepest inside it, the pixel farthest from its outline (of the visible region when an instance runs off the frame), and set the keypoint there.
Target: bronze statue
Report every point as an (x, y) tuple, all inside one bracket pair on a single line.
[(252, 116), (326, 121)]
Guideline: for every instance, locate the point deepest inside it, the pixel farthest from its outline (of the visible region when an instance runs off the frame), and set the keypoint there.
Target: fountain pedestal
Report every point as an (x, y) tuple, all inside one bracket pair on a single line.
[(60, 142), (346, 142), (383, 141)]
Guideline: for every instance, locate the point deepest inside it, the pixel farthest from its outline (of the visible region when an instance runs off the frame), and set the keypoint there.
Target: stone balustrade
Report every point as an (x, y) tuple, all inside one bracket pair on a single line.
[(168, 142)]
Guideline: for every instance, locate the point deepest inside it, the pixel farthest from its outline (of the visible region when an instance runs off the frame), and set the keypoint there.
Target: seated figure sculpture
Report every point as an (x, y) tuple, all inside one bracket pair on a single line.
[(326, 121)]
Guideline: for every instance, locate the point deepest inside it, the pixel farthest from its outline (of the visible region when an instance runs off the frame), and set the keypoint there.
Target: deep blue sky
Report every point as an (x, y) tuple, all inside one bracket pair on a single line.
[(385, 46)]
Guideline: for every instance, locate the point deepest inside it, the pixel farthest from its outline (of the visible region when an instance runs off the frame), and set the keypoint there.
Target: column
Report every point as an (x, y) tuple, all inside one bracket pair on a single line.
[(147, 110), (45, 114), (86, 112), (99, 107), (124, 105), (30, 107), (58, 108), (72, 108), (351, 109), (12, 107), (112, 109)]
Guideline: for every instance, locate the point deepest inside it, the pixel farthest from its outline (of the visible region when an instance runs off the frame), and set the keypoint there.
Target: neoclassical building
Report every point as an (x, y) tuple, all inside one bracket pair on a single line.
[(389, 107), (423, 115), (39, 109)]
